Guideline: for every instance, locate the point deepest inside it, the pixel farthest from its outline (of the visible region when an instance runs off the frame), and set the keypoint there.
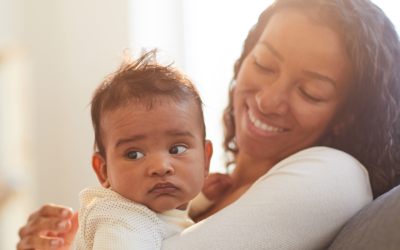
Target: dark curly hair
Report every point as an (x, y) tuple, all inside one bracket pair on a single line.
[(373, 47)]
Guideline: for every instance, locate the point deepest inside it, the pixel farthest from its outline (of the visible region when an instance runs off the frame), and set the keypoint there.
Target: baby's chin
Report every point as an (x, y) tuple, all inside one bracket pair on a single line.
[(162, 204)]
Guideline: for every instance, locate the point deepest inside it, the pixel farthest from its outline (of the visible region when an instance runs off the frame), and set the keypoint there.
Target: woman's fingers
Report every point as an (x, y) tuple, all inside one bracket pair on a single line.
[(40, 242), (61, 240), (50, 220), (51, 210), (43, 224), (70, 235)]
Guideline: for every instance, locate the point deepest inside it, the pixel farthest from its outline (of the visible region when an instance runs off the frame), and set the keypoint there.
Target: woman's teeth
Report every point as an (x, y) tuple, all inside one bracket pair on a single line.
[(263, 126)]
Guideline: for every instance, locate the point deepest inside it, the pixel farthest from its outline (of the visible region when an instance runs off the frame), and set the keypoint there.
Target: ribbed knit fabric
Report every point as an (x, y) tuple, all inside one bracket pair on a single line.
[(108, 221), (301, 203)]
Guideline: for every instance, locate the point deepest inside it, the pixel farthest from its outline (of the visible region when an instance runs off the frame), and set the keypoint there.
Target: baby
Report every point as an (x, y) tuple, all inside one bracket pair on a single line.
[(151, 158)]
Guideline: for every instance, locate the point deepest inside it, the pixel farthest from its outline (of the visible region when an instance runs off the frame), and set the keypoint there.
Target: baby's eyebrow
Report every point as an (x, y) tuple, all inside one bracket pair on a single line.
[(133, 138), (180, 133)]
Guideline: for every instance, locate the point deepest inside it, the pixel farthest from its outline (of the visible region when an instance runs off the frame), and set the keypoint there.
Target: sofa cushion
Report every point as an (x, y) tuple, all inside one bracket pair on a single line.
[(377, 226)]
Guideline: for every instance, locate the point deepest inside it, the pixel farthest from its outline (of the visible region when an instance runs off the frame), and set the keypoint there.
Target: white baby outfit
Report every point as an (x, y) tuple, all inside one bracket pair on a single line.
[(108, 221)]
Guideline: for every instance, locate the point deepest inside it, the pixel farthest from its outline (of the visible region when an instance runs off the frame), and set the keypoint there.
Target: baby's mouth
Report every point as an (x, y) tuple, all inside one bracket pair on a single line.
[(163, 187)]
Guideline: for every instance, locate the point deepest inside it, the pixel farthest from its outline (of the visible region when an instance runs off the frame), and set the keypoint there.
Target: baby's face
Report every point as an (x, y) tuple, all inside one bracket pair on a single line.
[(157, 156)]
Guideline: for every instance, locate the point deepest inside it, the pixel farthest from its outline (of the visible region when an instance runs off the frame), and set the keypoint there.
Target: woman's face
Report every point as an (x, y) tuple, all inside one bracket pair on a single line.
[(290, 87)]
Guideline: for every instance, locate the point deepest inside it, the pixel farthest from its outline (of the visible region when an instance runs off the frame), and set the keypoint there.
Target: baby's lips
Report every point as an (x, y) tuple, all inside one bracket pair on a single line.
[(164, 187)]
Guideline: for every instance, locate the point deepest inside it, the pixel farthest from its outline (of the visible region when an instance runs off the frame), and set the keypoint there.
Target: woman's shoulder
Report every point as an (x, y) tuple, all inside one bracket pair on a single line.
[(322, 170), (322, 154), (323, 160)]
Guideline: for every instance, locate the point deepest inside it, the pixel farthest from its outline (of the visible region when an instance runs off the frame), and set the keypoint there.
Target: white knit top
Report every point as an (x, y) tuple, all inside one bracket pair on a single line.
[(109, 221), (301, 203)]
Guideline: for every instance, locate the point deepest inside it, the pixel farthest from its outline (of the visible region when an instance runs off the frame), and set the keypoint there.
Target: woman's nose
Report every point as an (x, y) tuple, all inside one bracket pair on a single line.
[(160, 167), (274, 98)]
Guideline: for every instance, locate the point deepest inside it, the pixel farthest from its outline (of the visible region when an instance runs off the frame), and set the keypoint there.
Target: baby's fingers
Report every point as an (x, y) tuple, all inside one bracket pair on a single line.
[(224, 179)]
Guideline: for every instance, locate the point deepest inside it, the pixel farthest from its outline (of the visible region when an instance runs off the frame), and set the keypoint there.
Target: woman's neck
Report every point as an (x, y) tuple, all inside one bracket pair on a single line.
[(248, 170)]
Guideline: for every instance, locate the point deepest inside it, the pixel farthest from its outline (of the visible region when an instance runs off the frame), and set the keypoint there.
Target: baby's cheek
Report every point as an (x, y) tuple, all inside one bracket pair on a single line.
[(196, 185), (130, 188)]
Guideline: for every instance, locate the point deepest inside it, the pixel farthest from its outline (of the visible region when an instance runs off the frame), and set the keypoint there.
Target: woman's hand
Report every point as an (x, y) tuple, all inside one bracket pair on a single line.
[(52, 227)]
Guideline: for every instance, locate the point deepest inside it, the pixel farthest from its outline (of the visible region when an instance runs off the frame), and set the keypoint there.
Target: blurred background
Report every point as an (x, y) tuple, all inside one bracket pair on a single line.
[(53, 54)]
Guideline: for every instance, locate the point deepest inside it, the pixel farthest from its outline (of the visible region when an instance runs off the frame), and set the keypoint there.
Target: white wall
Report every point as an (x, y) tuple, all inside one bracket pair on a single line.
[(72, 44), (64, 49)]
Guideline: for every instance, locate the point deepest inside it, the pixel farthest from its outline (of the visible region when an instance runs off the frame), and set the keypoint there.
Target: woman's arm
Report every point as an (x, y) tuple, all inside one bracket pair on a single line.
[(301, 203)]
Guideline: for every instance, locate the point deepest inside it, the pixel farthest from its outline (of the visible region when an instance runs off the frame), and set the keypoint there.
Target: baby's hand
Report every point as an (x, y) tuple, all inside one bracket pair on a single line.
[(215, 185)]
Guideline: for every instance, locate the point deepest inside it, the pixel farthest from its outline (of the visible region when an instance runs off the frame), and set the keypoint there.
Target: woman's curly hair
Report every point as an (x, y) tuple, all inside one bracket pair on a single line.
[(373, 47)]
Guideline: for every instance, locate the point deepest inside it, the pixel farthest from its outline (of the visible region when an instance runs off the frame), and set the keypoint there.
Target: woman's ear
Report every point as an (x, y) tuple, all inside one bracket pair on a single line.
[(345, 123), (208, 151), (100, 168)]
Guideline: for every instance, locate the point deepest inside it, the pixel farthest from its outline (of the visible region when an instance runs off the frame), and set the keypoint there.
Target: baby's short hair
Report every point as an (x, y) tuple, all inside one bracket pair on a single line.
[(145, 82)]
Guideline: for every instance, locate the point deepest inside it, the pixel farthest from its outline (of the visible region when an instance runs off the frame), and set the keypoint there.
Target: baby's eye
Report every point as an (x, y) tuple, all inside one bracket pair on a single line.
[(134, 155), (177, 150)]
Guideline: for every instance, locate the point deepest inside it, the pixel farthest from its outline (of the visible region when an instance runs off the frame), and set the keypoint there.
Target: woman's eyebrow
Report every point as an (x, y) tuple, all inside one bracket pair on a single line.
[(319, 77), (273, 51)]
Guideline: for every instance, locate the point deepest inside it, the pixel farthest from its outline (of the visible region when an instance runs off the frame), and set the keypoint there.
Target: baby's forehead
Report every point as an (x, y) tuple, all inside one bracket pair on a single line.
[(163, 112)]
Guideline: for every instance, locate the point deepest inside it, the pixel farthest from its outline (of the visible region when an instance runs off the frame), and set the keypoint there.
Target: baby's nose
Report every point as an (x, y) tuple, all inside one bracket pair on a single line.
[(160, 168)]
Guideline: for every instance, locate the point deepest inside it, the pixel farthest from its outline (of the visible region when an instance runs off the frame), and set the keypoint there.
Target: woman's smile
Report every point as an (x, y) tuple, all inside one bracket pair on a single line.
[(286, 108), (263, 128)]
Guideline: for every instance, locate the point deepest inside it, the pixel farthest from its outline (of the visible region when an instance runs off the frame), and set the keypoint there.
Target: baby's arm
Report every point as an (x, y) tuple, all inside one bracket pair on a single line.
[(119, 225), (215, 185)]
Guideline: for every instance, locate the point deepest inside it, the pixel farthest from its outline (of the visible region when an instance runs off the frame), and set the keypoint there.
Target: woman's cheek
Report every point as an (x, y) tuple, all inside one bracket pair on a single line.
[(313, 115)]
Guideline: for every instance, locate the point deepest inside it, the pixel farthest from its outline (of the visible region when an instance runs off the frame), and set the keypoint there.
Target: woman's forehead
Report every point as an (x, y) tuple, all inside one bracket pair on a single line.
[(298, 41), (292, 27)]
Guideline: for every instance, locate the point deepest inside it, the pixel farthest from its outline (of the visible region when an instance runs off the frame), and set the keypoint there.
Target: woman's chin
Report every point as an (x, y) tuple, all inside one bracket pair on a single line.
[(257, 150)]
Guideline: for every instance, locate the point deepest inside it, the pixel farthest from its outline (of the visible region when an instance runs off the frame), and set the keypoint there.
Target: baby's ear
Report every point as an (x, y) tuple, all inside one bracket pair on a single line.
[(208, 151), (100, 168)]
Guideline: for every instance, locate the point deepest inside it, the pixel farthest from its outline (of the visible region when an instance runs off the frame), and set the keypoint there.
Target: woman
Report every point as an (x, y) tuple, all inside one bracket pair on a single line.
[(313, 73)]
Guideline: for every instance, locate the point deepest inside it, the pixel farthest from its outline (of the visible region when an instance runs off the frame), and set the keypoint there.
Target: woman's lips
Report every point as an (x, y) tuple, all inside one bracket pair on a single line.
[(262, 125), (262, 129), (163, 188)]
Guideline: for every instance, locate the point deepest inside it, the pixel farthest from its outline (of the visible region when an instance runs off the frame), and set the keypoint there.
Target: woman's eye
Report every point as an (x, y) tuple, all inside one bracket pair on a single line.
[(307, 96), (177, 150), (263, 68), (135, 155)]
